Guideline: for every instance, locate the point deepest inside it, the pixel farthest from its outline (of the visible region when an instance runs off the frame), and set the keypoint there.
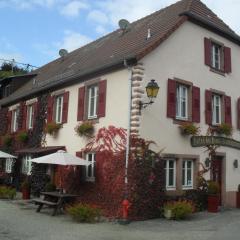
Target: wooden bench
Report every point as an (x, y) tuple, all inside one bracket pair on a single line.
[(42, 202)]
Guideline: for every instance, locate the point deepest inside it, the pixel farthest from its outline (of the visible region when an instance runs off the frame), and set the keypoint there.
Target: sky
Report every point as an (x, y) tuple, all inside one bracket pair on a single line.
[(33, 31)]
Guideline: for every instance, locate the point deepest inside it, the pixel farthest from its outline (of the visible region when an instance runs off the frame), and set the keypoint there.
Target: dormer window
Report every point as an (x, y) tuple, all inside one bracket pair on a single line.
[(7, 90)]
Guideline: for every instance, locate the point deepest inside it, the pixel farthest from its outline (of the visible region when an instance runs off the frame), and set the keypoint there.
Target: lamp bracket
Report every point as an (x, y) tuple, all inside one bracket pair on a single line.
[(145, 104)]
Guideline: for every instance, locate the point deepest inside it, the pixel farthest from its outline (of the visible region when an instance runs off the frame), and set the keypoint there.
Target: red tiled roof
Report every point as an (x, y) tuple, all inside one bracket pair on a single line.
[(114, 48)]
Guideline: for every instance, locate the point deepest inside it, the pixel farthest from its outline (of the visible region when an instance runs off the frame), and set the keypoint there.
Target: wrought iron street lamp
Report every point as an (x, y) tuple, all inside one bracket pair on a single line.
[(152, 89)]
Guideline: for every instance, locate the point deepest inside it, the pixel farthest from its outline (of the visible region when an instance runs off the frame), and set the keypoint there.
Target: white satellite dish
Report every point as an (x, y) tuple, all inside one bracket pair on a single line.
[(63, 53), (124, 24)]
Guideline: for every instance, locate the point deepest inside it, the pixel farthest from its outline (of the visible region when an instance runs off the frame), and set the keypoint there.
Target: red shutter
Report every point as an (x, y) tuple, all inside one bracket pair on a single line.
[(35, 112), (196, 104), (207, 51), (238, 113), (81, 97), (50, 109), (171, 99), (79, 154), (208, 107), (24, 116), (227, 60), (9, 117), (65, 107), (228, 110), (102, 98)]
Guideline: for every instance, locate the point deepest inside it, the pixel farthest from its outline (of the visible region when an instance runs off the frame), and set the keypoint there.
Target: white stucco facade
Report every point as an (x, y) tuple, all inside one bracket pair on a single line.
[(117, 102), (182, 56)]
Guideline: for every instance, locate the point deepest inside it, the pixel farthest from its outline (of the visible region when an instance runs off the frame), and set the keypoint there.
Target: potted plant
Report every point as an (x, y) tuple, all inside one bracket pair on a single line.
[(189, 129), (25, 187), (238, 197), (7, 140), (223, 129), (85, 129), (22, 136), (213, 196), (52, 128)]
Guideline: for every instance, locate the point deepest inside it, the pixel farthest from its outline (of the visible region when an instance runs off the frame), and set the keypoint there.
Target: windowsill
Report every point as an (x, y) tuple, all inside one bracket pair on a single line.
[(218, 71), (187, 187), (170, 189), (180, 121), (90, 179)]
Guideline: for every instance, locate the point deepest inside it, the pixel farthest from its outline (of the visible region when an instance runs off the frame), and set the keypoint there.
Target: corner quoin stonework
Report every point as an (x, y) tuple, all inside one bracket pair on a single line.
[(137, 95)]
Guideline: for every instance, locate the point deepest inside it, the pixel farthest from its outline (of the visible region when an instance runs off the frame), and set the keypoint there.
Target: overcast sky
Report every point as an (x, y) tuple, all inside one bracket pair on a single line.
[(32, 31)]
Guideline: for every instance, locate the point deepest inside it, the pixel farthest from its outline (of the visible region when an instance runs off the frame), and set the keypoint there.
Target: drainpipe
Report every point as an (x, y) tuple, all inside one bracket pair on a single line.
[(125, 201)]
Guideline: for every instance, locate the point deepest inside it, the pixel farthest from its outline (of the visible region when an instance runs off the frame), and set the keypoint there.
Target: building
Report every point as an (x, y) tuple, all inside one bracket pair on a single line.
[(192, 55)]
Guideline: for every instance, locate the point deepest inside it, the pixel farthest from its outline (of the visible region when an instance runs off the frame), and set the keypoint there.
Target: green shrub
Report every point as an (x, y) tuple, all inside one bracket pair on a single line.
[(22, 136), (84, 213), (52, 128), (180, 209), (224, 129), (50, 187), (189, 129), (7, 140), (213, 188), (7, 192), (26, 185), (85, 129)]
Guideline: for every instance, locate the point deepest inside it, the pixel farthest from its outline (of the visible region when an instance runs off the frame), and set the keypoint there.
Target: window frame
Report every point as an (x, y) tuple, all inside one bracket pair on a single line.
[(166, 169), (179, 101), (14, 121), (185, 169), (215, 44), (58, 109), (91, 177), (95, 98), (26, 167), (214, 109), (8, 165), (30, 116)]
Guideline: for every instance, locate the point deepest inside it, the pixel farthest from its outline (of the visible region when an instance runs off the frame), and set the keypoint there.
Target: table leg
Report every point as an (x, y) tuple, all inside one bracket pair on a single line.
[(39, 207)]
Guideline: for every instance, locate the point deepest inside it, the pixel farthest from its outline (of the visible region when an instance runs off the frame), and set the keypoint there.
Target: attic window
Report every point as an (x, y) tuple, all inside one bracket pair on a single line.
[(7, 90)]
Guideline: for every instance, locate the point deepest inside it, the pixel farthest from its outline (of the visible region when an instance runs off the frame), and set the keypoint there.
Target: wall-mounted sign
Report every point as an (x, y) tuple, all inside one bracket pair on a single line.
[(200, 141)]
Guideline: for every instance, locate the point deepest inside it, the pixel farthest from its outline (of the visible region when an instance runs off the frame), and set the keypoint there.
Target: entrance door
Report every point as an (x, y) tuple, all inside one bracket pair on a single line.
[(217, 172)]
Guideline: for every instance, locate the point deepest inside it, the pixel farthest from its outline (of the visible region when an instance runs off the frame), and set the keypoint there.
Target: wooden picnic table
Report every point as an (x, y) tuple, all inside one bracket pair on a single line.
[(56, 200)]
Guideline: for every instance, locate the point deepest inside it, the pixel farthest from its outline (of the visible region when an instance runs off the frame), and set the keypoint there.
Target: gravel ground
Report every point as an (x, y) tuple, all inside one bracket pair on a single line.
[(19, 221)]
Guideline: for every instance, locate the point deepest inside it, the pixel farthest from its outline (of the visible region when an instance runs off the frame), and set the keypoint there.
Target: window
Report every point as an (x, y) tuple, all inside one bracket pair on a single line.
[(26, 165), (14, 124), (30, 116), (8, 166), (92, 101), (216, 56), (90, 170), (58, 108), (216, 112), (182, 102), (187, 174), (7, 91), (170, 173)]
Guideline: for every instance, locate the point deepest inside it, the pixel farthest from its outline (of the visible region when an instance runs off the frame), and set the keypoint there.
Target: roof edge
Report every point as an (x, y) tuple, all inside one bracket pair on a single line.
[(131, 60), (212, 27), (19, 76)]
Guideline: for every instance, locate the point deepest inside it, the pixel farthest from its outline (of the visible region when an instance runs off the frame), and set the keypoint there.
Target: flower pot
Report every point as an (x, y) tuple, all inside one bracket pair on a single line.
[(168, 214), (238, 200), (213, 203), (25, 193)]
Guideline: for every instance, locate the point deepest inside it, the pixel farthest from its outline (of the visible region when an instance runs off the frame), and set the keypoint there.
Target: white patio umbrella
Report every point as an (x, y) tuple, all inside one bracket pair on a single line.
[(61, 158), (6, 155)]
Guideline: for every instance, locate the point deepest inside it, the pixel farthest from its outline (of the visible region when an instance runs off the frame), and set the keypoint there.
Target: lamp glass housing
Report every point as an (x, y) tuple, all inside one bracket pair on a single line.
[(152, 89)]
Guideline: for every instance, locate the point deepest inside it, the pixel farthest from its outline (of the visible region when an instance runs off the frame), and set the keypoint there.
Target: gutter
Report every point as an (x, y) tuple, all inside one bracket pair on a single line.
[(82, 77)]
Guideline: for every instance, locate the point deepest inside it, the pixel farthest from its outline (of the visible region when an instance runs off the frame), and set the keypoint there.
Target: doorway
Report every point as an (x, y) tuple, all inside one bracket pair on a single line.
[(216, 173)]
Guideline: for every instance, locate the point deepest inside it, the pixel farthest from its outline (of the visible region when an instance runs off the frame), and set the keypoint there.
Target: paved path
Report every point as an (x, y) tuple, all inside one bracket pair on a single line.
[(22, 223)]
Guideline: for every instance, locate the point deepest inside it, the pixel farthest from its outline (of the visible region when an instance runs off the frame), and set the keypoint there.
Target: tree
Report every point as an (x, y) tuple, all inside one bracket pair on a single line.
[(7, 70)]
